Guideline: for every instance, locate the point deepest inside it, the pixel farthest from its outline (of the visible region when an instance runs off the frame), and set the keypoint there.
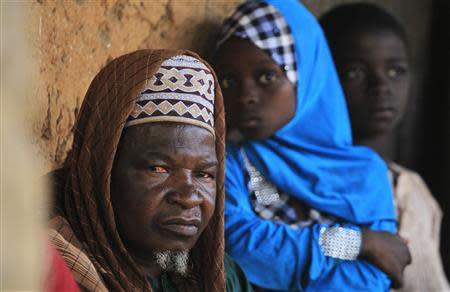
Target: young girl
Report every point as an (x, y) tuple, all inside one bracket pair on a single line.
[(297, 191), (371, 53)]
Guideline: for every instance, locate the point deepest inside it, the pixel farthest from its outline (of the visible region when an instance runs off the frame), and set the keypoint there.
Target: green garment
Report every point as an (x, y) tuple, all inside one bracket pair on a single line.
[(235, 279), (162, 283)]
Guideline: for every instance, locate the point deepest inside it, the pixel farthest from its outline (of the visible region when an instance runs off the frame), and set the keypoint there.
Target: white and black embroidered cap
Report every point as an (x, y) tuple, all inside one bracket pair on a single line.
[(182, 90)]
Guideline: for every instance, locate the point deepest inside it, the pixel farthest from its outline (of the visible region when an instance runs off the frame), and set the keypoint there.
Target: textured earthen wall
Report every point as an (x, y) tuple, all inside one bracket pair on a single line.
[(74, 39)]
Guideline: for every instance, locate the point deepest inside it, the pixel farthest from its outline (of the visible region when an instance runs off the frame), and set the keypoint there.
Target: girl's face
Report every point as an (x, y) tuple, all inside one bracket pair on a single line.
[(259, 99), (374, 73)]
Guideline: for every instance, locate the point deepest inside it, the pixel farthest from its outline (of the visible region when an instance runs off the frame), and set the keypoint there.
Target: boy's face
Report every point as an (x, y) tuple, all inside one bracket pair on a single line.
[(259, 98), (374, 72)]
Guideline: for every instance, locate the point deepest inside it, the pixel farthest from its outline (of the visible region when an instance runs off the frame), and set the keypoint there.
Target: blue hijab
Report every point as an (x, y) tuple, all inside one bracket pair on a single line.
[(312, 159)]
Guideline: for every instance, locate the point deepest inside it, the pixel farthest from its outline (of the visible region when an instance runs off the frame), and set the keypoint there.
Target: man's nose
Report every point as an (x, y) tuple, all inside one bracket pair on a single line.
[(184, 192)]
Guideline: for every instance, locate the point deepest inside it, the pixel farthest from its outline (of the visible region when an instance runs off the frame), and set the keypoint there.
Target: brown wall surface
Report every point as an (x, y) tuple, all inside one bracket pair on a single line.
[(74, 39)]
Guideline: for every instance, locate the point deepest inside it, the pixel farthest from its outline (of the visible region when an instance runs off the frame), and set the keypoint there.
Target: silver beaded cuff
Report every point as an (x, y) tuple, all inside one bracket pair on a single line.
[(341, 243)]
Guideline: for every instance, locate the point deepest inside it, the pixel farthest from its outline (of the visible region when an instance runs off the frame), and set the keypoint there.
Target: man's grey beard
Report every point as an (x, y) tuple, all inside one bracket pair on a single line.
[(173, 261)]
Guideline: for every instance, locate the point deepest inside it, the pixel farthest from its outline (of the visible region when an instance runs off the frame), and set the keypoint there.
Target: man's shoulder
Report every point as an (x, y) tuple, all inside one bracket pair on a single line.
[(230, 264)]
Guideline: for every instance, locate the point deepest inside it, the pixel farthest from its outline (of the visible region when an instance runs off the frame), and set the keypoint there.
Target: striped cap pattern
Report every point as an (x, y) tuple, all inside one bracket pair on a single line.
[(182, 90)]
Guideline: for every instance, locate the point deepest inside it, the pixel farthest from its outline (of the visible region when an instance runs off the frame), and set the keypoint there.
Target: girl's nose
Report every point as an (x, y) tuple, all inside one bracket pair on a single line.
[(248, 95)]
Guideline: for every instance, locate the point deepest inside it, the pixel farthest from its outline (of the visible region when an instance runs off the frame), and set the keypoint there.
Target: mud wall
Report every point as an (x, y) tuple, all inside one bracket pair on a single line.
[(74, 39)]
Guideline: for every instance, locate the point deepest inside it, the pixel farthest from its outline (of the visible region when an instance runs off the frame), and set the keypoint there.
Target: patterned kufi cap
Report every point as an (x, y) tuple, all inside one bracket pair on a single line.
[(182, 91), (266, 28)]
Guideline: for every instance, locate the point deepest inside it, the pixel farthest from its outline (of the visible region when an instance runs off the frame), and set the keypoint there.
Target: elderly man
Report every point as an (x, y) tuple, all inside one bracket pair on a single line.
[(139, 204)]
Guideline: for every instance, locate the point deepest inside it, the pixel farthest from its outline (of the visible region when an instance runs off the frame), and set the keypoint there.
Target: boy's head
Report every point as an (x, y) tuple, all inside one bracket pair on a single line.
[(370, 50)]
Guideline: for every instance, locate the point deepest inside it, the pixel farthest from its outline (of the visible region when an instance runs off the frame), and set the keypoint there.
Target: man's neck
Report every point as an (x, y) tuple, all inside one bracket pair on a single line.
[(148, 265)]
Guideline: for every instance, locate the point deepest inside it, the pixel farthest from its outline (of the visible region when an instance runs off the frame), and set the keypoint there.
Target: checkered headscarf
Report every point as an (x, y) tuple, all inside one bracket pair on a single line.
[(265, 27), (182, 90)]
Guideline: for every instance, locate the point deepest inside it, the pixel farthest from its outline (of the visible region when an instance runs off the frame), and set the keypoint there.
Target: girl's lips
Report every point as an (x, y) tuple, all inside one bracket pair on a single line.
[(251, 122)]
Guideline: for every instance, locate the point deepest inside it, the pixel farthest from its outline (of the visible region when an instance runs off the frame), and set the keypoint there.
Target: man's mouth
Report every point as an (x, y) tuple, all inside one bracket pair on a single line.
[(182, 226)]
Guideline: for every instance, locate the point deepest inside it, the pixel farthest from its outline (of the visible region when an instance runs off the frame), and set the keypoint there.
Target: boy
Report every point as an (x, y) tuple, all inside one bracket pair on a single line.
[(370, 49)]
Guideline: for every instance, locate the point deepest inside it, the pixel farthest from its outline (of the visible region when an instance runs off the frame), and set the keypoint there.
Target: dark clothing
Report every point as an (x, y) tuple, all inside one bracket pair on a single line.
[(235, 279)]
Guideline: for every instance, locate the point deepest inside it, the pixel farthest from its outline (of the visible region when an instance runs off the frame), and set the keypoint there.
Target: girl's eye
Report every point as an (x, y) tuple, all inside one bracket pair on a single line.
[(158, 169), (354, 73), (267, 78), (227, 82)]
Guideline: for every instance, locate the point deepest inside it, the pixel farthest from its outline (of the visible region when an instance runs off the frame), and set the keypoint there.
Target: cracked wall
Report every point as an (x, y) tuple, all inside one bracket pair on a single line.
[(73, 40)]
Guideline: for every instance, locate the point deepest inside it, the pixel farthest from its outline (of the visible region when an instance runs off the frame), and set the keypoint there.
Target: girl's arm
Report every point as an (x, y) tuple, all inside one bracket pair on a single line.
[(277, 256)]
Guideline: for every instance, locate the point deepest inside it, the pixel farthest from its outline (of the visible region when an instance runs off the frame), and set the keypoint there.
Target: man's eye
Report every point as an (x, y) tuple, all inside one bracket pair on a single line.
[(227, 82), (158, 169), (267, 78), (205, 175)]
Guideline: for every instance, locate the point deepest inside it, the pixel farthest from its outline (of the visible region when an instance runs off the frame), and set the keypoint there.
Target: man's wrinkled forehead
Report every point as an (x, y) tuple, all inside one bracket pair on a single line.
[(169, 139)]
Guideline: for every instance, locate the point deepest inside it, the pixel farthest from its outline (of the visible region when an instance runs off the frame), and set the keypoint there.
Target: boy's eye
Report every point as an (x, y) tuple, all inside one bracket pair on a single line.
[(267, 78), (396, 71), (158, 169), (227, 82)]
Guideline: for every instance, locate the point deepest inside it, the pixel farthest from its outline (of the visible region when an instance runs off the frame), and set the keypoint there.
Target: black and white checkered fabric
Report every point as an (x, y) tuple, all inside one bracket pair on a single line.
[(265, 27)]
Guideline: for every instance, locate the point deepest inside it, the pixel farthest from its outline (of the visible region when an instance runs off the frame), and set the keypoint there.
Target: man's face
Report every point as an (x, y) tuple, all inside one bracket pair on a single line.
[(163, 186), (258, 96), (374, 72)]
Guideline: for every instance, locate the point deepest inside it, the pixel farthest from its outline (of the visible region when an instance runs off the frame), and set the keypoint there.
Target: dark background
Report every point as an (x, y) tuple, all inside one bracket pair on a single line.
[(433, 151)]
